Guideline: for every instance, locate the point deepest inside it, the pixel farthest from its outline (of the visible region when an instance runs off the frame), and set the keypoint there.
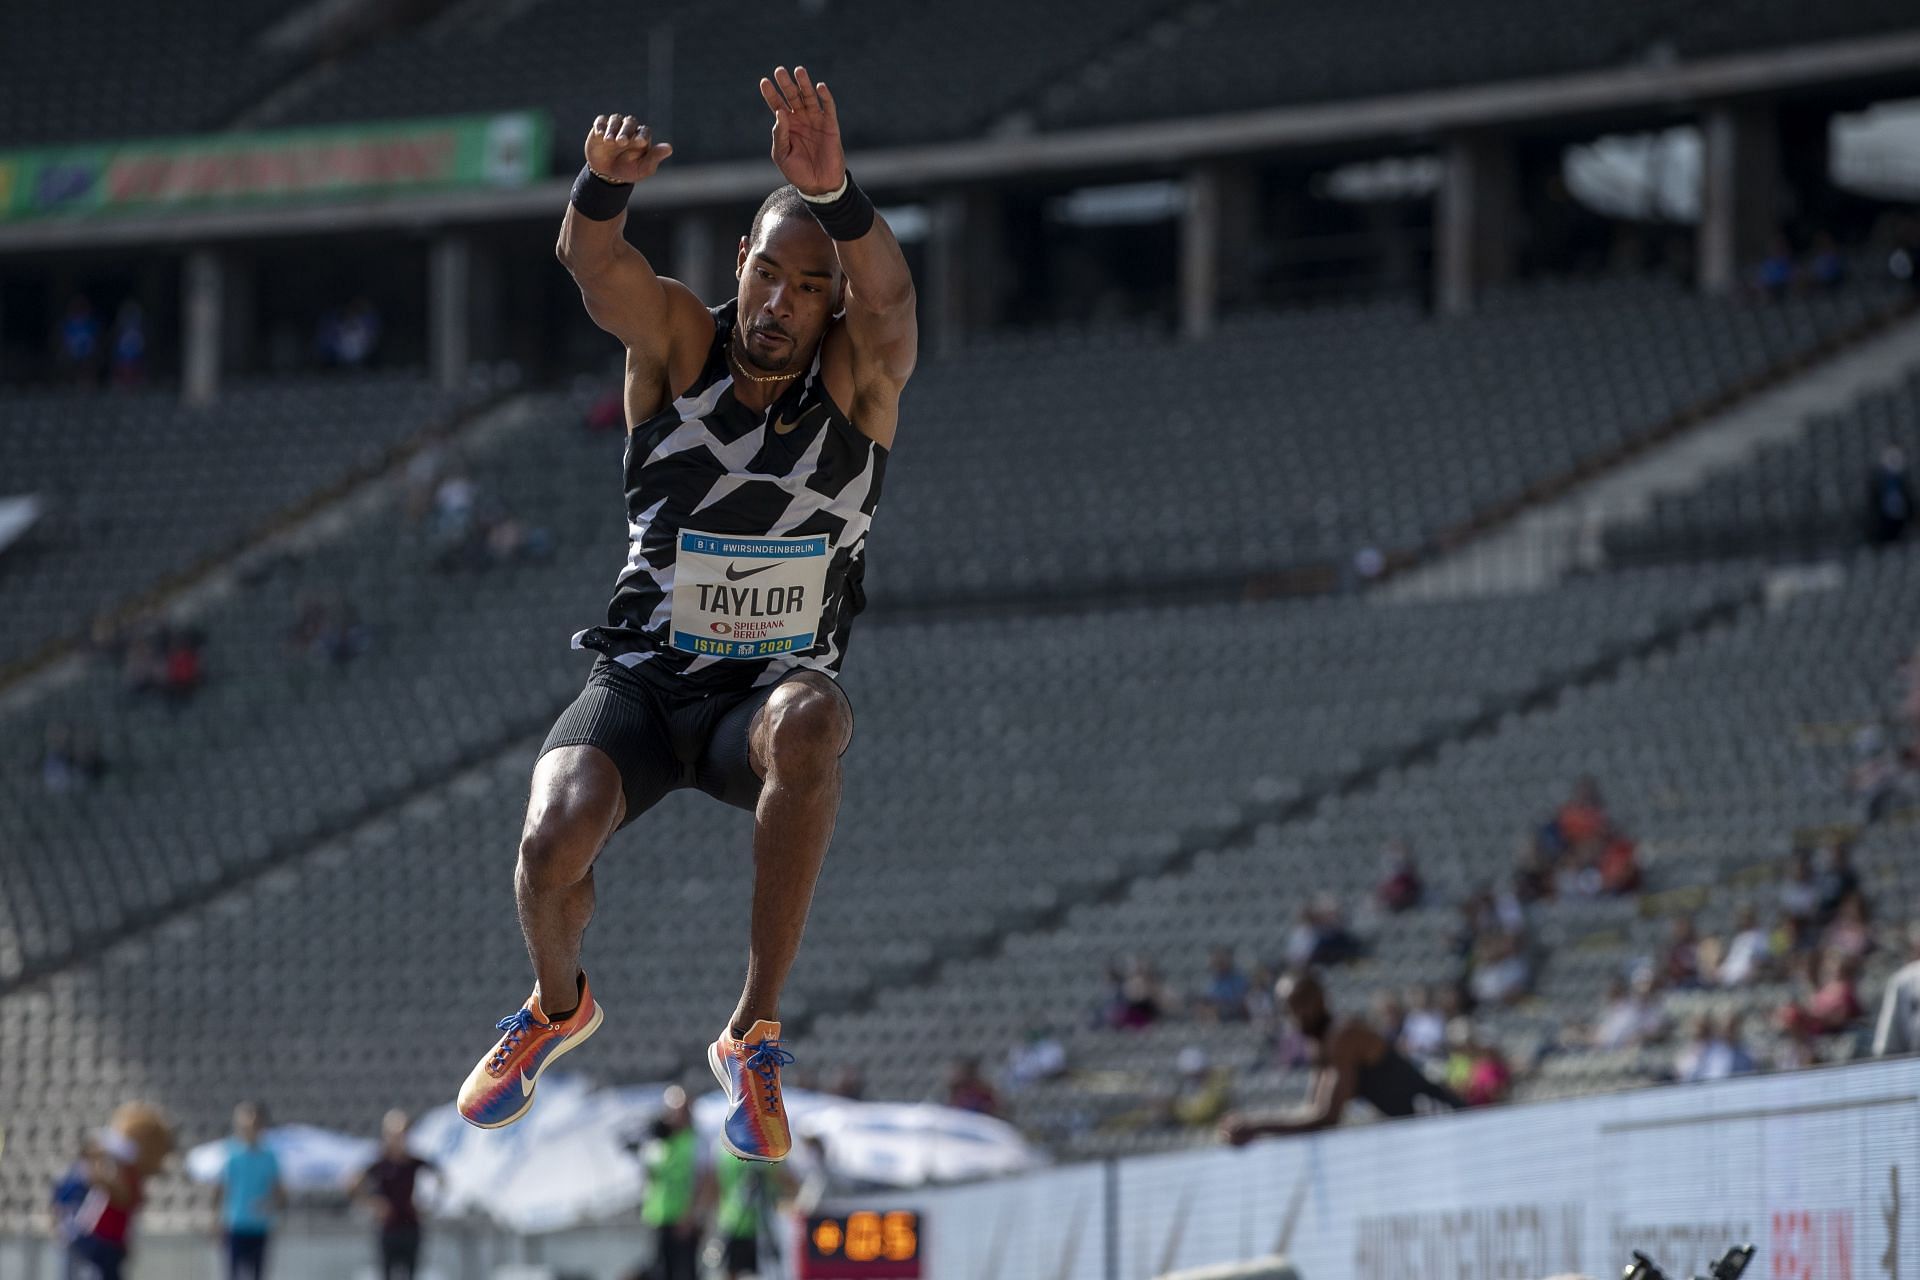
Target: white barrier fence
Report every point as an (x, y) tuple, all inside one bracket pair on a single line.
[(1816, 1168)]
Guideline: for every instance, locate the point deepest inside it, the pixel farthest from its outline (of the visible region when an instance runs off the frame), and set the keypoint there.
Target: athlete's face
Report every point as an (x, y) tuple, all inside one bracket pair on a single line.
[(789, 292)]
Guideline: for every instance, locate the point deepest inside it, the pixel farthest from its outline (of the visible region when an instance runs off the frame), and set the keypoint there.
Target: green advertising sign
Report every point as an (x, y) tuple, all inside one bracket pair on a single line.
[(281, 167)]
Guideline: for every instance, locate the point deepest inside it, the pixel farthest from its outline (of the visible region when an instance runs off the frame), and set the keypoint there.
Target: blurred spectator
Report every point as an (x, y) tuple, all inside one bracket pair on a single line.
[(1203, 1093), (1476, 1071), (1800, 893), (249, 1193), (1619, 866), (1714, 1050), (968, 1090), (1796, 1050), (185, 667), (1832, 1006), (1680, 962), (1583, 816), (1773, 277), (115, 1167), (1632, 1015), (1423, 1035), (745, 1192), (77, 341), (1321, 936), (1849, 933), (327, 629), (1477, 919), (1224, 998), (387, 1188), (1532, 874), (1262, 1010), (348, 336), (1837, 879), (1139, 998), (1350, 1060), (129, 345), (1748, 955), (1389, 1016), (674, 1201), (1889, 497), (69, 760), (1878, 777), (1898, 1030), (1400, 888), (1039, 1057), (1502, 973)]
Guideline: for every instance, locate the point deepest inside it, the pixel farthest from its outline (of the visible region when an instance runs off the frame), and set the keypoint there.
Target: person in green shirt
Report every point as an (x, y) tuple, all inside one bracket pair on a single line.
[(748, 1191), (677, 1193)]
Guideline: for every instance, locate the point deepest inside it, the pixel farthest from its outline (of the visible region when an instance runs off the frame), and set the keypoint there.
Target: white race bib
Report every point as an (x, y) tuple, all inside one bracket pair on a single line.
[(747, 597)]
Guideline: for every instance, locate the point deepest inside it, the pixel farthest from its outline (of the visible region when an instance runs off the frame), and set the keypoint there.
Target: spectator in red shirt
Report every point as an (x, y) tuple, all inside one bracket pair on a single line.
[(128, 1152), (1681, 964), (1619, 866), (968, 1090), (1583, 816), (1400, 888), (1833, 1006)]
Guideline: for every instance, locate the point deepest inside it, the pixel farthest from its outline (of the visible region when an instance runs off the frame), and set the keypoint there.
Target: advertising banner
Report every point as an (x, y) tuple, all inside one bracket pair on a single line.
[(281, 167)]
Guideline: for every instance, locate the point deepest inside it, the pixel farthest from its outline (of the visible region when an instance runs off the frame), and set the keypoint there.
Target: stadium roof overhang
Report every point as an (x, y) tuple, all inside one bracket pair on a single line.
[(1614, 99)]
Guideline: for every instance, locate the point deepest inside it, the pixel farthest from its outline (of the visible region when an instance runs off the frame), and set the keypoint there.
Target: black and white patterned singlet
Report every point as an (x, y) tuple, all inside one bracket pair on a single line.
[(747, 534)]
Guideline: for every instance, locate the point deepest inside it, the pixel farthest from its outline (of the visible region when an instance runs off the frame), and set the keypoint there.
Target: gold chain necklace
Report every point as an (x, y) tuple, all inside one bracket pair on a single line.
[(740, 367)]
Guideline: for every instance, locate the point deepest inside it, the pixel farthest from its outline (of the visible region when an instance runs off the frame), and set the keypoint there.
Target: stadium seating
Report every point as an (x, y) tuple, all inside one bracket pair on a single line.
[(1717, 755), (310, 839), (138, 489), (579, 60), (1045, 462), (184, 67), (1262, 55), (1806, 496)]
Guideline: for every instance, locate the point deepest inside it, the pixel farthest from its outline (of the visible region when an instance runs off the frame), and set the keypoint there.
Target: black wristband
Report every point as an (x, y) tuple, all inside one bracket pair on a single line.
[(598, 199), (848, 217)]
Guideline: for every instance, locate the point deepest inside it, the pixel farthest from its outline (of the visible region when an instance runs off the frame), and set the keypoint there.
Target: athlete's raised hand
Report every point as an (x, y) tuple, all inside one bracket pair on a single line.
[(621, 149), (806, 131)]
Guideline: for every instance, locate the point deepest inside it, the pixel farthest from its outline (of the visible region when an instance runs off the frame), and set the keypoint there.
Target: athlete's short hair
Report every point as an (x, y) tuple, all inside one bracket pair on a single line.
[(784, 202)]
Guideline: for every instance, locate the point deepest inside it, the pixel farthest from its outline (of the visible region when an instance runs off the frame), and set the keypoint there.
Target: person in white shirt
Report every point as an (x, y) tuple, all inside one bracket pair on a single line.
[(1899, 1027)]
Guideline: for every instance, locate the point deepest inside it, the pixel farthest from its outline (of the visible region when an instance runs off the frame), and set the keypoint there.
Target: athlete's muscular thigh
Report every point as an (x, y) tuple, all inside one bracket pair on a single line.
[(575, 803)]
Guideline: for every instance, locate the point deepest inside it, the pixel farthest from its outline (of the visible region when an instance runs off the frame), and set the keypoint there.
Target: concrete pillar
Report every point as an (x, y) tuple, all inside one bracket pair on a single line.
[(202, 302), (450, 309), (698, 256), (1217, 230), (965, 254), (1739, 185), (1473, 235), (1200, 253)]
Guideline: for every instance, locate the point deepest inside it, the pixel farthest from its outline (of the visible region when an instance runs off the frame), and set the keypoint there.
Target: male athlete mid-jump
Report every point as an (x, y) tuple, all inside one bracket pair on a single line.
[(757, 438)]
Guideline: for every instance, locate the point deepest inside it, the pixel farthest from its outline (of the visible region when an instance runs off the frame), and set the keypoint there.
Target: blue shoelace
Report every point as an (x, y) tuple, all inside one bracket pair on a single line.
[(516, 1025), (764, 1059)]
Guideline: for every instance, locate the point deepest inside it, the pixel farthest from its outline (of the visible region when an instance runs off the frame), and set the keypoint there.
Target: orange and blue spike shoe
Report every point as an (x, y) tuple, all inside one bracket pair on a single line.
[(499, 1089), (749, 1070)]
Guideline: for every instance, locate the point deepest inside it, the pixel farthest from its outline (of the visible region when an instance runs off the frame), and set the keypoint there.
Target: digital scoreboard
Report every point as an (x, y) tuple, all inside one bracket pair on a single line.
[(864, 1244)]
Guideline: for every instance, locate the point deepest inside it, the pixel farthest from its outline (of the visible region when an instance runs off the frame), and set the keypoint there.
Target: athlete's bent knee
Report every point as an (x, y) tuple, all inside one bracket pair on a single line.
[(807, 729), (568, 820)]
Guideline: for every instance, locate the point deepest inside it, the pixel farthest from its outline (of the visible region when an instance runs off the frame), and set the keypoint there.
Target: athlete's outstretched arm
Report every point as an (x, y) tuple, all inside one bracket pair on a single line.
[(618, 284), (879, 297)]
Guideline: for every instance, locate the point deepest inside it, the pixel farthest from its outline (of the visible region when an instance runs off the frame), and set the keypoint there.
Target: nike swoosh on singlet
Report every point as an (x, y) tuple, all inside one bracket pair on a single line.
[(782, 426), (735, 577)]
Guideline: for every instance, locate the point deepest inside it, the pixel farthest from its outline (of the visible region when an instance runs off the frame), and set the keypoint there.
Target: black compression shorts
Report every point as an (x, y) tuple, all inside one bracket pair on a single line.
[(662, 740)]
